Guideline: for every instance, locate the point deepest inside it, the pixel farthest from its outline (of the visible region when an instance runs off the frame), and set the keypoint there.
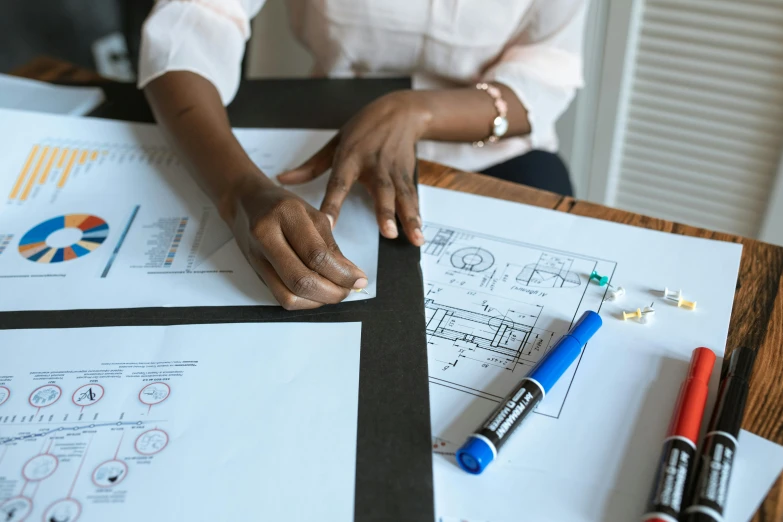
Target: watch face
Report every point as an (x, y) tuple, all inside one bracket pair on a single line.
[(500, 126)]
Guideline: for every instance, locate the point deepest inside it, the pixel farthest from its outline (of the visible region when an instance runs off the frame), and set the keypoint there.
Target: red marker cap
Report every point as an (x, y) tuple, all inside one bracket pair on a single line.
[(689, 411)]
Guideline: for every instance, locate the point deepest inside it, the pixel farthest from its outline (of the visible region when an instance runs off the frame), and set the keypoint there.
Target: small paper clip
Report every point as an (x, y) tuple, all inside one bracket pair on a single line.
[(668, 294), (601, 280), (682, 302), (614, 293)]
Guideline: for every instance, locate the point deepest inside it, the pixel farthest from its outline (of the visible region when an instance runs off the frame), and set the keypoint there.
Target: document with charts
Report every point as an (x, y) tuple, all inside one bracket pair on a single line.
[(100, 214), (503, 282), (197, 422)]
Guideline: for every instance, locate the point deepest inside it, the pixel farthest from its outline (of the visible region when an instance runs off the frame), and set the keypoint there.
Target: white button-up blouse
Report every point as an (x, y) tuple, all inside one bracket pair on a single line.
[(532, 46)]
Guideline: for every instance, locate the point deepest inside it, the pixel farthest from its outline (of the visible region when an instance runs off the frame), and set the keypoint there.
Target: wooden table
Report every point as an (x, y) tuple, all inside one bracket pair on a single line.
[(757, 317)]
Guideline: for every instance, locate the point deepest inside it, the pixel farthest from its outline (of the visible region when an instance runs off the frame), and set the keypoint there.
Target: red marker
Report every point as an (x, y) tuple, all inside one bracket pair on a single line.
[(679, 448)]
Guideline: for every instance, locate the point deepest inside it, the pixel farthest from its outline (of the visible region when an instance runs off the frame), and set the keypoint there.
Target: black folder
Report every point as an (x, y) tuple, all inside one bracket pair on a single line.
[(394, 459)]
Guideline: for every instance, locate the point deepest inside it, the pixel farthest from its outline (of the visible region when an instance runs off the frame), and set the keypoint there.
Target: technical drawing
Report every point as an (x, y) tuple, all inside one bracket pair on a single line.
[(63, 510), (154, 393), (549, 271), (472, 259), (109, 473), (494, 307), (45, 396), (40, 467), (5, 394), (16, 509), (436, 245), (152, 442), (489, 332)]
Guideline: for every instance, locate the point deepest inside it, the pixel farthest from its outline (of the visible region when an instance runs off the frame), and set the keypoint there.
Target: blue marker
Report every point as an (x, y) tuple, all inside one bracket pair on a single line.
[(482, 447)]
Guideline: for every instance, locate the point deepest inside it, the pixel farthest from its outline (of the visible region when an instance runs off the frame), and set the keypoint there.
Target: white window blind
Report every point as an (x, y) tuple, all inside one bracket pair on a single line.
[(704, 129)]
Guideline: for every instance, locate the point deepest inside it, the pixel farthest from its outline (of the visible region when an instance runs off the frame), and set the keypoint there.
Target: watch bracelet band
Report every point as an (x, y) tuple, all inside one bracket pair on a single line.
[(500, 120)]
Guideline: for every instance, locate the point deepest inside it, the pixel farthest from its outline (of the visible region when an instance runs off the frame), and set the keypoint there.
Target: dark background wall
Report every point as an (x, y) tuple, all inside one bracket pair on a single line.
[(64, 28)]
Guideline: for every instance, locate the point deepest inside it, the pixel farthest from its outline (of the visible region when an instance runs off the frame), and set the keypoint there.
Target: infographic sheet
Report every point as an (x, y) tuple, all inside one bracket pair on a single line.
[(101, 214), (197, 422)]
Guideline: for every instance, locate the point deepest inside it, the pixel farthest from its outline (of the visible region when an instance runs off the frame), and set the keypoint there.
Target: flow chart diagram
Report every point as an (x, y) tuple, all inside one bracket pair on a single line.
[(42, 451)]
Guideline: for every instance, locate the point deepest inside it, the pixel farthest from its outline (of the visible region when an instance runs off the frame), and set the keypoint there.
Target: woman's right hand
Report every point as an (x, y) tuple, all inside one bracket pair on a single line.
[(290, 245)]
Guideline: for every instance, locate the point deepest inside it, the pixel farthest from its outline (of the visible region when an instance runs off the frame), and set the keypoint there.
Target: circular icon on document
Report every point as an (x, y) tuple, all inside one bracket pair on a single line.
[(63, 510), (154, 393), (152, 442), (5, 394), (87, 395), (45, 396), (16, 509), (109, 473), (63, 238), (40, 467)]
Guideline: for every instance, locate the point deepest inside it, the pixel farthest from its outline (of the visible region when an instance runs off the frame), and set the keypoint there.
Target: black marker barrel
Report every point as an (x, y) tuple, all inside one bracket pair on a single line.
[(720, 443)]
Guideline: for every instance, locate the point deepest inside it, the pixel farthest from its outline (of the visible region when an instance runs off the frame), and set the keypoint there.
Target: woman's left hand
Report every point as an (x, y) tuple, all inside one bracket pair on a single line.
[(377, 148)]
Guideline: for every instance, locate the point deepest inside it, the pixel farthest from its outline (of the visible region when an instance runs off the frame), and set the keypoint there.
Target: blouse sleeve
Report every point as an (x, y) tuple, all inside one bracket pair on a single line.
[(543, 64), (206, 37)]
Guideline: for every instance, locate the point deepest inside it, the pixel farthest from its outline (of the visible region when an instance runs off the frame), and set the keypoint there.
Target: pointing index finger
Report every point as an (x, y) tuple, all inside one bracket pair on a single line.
[(344, 173)]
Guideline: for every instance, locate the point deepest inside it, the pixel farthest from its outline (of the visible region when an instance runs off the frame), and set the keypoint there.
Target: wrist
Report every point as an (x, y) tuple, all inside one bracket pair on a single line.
[(417, 109), (238, 187)]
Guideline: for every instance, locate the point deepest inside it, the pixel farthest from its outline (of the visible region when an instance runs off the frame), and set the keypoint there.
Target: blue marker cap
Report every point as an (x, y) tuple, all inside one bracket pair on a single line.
[(565, 352), (475, 455)]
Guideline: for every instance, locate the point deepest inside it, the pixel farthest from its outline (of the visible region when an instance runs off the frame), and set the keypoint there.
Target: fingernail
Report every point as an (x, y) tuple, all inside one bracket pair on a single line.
[(418, 237), (418, 219), (390, 227), (360, 283), (331, 220)]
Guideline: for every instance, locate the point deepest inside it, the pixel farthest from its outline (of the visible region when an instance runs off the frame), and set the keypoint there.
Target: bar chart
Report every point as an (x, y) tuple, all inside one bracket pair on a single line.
[(51, 164)]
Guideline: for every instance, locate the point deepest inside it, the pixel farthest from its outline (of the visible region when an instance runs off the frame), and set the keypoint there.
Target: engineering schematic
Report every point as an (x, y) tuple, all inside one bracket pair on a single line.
[(495, 306)]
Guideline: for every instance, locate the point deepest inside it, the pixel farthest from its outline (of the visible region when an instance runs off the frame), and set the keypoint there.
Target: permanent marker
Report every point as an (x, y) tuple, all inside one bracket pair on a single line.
[(720, 442), (482, 447), (679, 448)]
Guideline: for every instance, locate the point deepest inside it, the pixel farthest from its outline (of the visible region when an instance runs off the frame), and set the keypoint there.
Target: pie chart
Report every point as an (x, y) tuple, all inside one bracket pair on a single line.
[(93, 231)]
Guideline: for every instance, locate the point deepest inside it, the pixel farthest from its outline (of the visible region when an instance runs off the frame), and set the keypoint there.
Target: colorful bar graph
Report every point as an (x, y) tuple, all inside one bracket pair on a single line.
[(23, 174), (48, 168), (31, 180), (67, 171), (45, 161), (5, 240), (61, 161), (175, 243)]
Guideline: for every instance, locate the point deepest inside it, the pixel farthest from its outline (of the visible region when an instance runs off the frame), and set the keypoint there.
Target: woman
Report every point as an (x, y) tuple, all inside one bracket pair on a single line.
[(497, 73)]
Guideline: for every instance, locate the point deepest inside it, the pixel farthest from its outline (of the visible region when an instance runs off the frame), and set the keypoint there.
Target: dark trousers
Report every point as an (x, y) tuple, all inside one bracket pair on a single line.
[(537, 169)]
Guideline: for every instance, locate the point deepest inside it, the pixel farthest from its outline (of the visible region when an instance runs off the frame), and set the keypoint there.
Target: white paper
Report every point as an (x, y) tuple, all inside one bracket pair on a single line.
[(31, 95), (502, 282), (163, 242), (758, 463), (202, 422), (540, 497)]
